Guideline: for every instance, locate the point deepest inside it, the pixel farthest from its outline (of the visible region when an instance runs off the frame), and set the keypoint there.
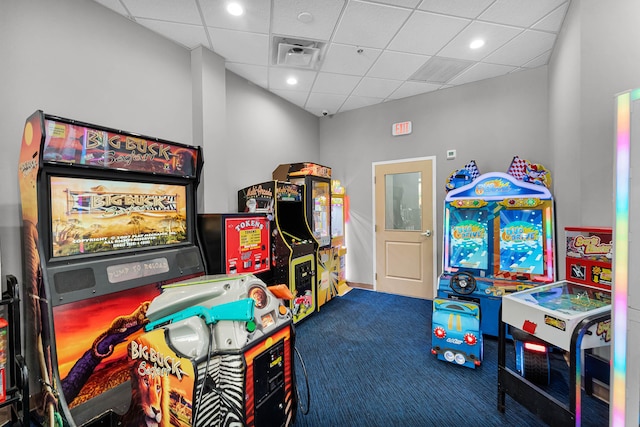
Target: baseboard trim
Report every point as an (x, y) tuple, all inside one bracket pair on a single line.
[(360, 285)]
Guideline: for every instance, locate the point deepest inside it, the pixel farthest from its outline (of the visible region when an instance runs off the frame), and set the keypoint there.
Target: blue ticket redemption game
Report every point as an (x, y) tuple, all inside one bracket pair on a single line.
[(498, 238)]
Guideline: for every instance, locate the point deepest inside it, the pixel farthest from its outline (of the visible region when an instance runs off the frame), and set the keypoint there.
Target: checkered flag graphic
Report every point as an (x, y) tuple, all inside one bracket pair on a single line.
[(472, 168), (518, 167)]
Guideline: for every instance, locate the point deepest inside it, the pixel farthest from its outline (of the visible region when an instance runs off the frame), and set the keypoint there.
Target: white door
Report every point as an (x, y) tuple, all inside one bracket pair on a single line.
[(404, 227)]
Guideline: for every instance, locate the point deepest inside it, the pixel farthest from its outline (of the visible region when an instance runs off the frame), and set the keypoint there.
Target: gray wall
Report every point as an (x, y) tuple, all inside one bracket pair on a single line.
[(489, 121), (79, 60), (263, 132), (597, 57)]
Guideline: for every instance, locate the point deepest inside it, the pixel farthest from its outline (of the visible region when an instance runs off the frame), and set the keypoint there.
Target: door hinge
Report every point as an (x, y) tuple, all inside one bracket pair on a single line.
[(375, 228), (375, 276)]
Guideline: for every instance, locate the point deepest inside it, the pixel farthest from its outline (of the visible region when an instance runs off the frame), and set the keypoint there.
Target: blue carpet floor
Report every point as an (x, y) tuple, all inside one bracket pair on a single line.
[(368, 363)]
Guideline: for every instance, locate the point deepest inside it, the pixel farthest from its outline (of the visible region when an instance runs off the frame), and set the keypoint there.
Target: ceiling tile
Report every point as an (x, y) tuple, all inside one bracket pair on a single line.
[(339, 84), (182, 11), (189, 36), (324, 101), (114, 5), (240, 46), (522, 49), (278, 79), (494, 35), (426, 33), (256, 74), (255, 19), (376, 88), (553, 21), (345, 59), (369, 24), (295, 97), (401, 3), (538, 61), (319, 25), (354, 102), (413, 88), (523, 13), (480, 71), (396, 65), (463, 8)]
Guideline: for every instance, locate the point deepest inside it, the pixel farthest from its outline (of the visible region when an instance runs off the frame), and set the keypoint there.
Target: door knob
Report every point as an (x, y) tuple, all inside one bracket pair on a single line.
[(426, 233)]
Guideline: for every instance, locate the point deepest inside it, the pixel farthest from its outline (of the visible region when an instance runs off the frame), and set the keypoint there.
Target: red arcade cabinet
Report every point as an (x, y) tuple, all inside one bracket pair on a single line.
[(235, 242)]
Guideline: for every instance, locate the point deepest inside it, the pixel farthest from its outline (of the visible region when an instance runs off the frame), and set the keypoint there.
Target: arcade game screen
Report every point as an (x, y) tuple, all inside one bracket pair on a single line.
[(98, 215), (521, 241), (469, 239)]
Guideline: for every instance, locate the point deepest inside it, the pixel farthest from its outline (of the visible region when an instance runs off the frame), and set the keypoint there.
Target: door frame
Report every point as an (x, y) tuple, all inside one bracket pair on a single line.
[(434, 213)]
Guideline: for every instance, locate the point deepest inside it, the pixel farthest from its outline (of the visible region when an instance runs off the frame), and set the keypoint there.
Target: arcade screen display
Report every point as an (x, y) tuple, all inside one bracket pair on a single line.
[(91, 216), (521, 241), (469, 239)]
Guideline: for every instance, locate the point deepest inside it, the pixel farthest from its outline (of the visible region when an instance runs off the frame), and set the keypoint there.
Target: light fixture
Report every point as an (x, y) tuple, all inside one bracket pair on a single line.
[(476, 44), (292, 81), (235, 9)]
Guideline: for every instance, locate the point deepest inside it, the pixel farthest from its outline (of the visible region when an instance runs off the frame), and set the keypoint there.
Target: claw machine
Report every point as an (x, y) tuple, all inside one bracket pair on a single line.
[(316, 180), (339, 218)]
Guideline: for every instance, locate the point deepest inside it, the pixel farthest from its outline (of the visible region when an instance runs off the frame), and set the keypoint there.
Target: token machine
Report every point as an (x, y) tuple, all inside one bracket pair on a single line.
[(122, 326), (235, 243), (316, 182)]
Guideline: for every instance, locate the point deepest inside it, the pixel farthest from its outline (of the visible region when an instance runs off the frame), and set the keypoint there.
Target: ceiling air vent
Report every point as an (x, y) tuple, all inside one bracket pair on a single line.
[(440, 70), (298, 53)]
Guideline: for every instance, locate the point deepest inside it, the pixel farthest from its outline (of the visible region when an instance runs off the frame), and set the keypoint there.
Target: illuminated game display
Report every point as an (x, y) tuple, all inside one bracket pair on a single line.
[(498, 237), (469, 239), (110, 230), (521, 242), (114, 215)]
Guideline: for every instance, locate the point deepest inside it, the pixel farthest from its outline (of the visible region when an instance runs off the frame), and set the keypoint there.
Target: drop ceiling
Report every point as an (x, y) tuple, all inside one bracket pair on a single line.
[(348, 54)]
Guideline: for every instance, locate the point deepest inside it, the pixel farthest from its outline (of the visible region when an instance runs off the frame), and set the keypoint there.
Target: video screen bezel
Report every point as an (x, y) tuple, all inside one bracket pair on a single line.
[(488, 259), (45, 215), (542, 251)]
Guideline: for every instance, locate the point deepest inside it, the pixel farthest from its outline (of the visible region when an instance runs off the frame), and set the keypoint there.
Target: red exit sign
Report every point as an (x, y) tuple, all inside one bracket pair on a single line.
[(403, 128)]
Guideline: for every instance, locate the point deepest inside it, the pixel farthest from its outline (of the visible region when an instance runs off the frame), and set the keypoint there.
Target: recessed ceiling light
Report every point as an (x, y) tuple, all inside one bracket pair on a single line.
[(235, 9), (476, 44), (292, 81)]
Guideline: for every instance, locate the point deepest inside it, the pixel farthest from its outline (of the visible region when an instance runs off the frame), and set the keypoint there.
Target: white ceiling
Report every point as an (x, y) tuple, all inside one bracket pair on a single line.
[(373, 48)]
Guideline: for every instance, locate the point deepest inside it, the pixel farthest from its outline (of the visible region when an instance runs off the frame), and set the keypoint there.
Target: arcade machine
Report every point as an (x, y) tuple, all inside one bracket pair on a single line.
[(109, 221), (571, 316), (589, 255), (235, 336), (235, 243), (498, 239), (293, 248), (316, 182), (339, 218)]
